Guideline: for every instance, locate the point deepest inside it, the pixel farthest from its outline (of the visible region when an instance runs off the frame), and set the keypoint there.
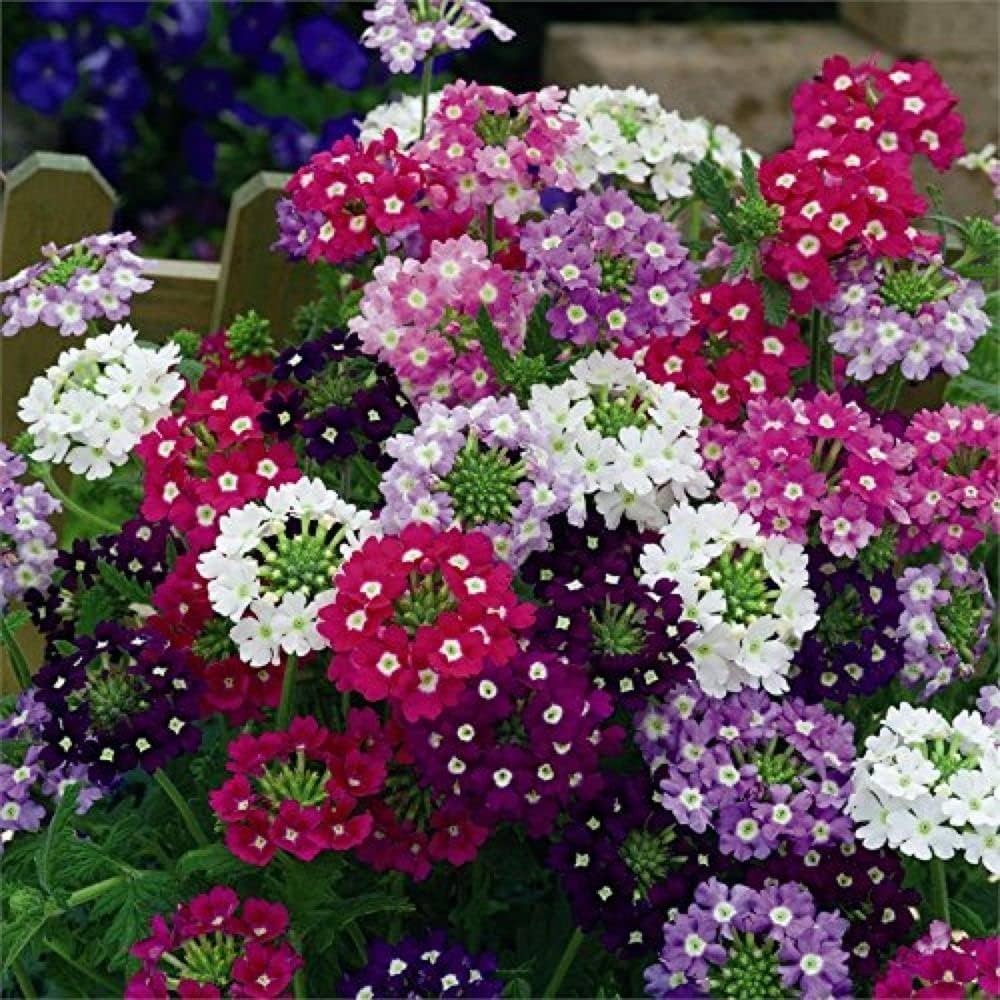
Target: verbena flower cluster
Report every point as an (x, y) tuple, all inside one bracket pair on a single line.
[(573, 599), (925, 786), (92, 407)]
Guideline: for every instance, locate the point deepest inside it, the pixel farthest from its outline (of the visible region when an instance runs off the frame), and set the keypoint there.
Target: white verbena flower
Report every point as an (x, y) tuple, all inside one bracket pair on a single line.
[(748, 595), (628, 134), (272, 567), (402, 116), (630, 443), (91, 408), (927, 787)]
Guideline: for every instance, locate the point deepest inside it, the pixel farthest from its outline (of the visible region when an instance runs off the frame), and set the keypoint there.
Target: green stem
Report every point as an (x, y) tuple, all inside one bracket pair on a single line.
[(108, 988), (91, 892), (286, 706), (183, 809), (23, 980), (44, 473), (569, 953), (939, 891), (694, 222), (18, 661), (426, 80)]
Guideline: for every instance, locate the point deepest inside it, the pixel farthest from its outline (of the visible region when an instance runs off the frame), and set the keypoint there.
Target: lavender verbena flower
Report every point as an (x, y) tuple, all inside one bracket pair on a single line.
[(615, 271), (945, 624), (864, 886), (624, 863), (296, 230), (988, 703), (27, 540), (764, 775), (406, 33), (735, 941), (426, 966), (923, 318), (479, 467), (74, 286), (28, 789), (855, 649)]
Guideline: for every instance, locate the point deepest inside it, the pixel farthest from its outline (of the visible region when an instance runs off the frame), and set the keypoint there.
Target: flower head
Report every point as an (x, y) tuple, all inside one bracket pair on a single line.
[(216, 945), (747, 593), (273, 563), (765, 776), (74, 286)]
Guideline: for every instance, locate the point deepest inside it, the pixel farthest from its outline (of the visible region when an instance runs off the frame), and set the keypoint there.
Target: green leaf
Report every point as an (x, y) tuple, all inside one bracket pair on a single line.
[(28, 911), (346, 911), (538, 339), (748, 174), (130, 905), (489, 340), (57, 836), (215, 862), (126, 587), (13, 620), (710, 185), (94, 606), (776, 301), (743, 255)]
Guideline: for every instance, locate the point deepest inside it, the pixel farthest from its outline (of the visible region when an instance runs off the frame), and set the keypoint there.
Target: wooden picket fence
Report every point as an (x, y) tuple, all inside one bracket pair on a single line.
[(58, 198)]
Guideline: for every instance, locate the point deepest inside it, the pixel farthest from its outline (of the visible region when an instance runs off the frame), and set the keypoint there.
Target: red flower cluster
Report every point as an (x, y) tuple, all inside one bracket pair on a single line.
[(413, 826), (837, 194), (357, 194), (730, 355), (210, 458), (907, 109), (214, 946), (418, 614), (300, 790), (185, 617)]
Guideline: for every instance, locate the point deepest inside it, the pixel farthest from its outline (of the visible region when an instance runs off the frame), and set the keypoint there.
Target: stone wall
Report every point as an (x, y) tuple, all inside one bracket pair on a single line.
[(743, 74)]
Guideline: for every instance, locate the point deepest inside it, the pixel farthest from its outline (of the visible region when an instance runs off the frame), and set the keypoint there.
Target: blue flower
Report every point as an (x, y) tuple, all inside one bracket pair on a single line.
[(114, 77), (44, 75), (105, 135), (328, 50), (291, 143), (206, 91), (58, 10), (122, 13), (254, 26), (181, 29), (199, 152), (336, 128)]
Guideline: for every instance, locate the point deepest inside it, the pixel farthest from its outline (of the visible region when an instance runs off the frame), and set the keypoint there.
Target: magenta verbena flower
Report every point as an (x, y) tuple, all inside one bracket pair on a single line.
[(734, 941), (615, 272), (764, 775), (74, 286)]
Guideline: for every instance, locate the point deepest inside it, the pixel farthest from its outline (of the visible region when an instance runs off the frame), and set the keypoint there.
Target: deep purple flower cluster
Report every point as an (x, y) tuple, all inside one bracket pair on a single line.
[(336, 398), (74, 286), (735, 941), (945, 625), (595, 612), (27, 786), (523, 741), (123, 699), (138, 550), (764, 775), (624, 863), (428, 966), (616, 272), (27, 540), (854, 650), (864, 886)]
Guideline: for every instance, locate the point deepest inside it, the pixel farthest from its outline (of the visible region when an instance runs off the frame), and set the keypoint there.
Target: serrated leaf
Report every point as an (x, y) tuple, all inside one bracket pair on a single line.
[(710, 185), (130, 905), (489, 340), (743, 255), (124, 586), (748, 174), (538, 339), (776, 302), (55, 840), (214, 861), (337, 917), (28, 911), (13, 620), (63, 647), (93, 607)]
